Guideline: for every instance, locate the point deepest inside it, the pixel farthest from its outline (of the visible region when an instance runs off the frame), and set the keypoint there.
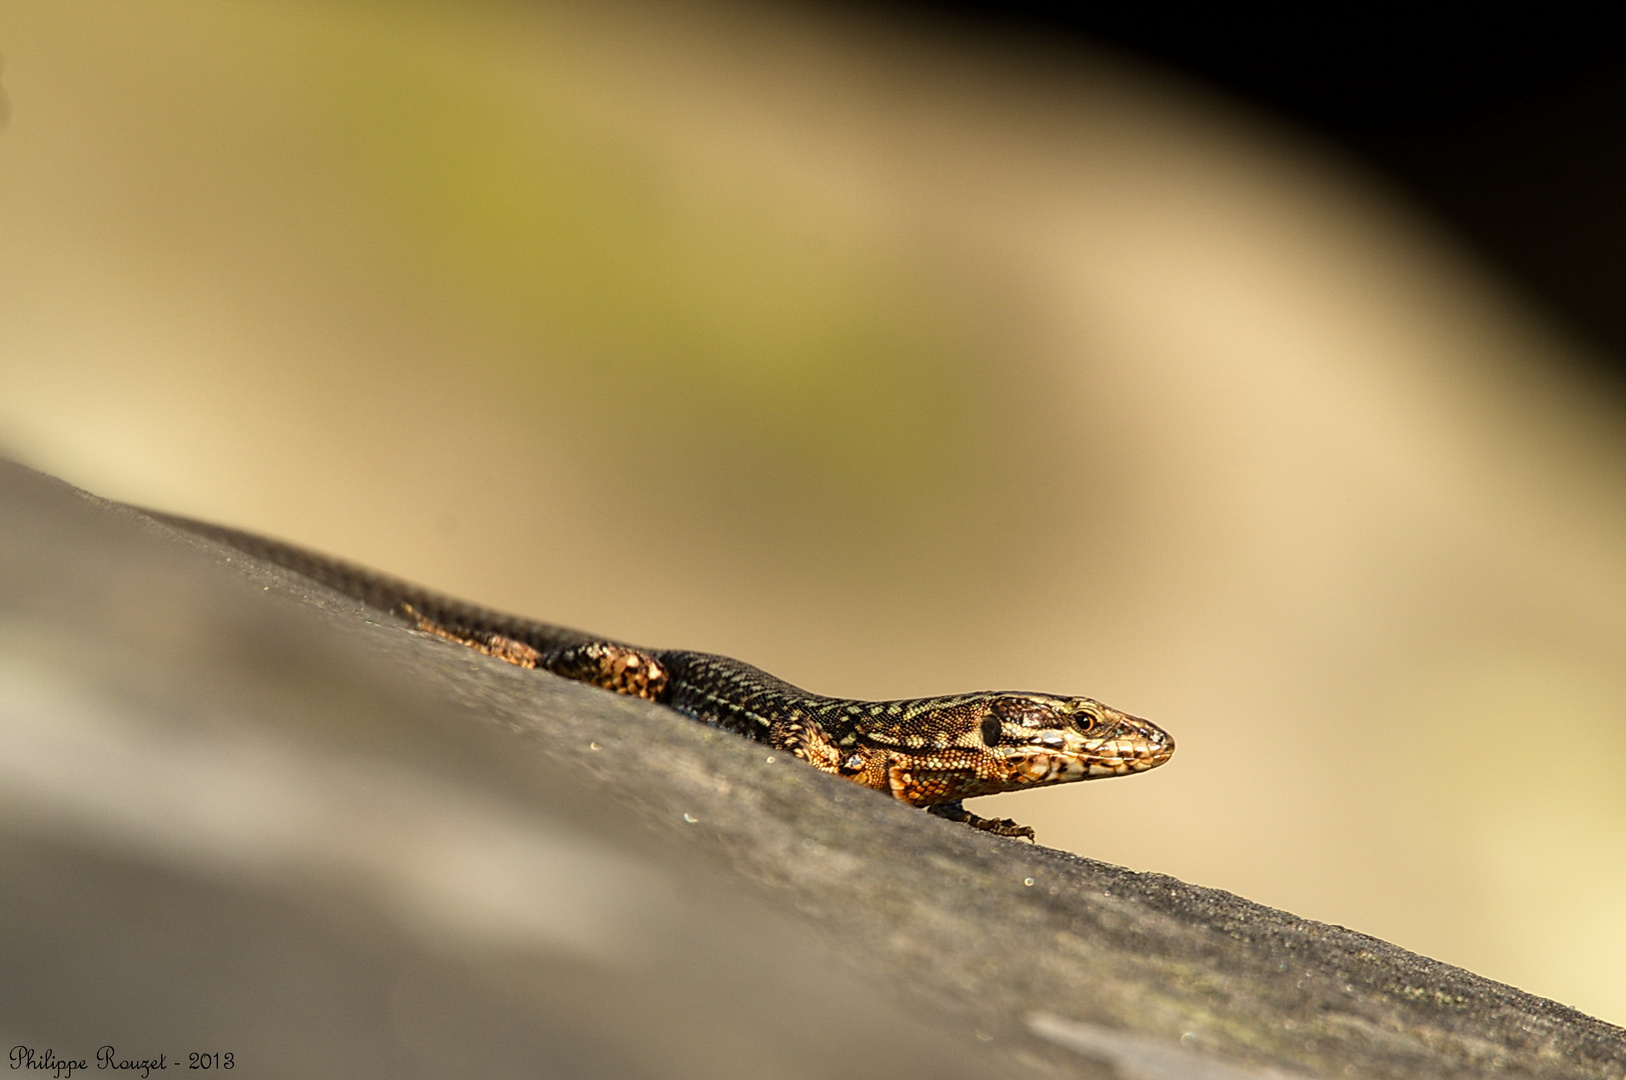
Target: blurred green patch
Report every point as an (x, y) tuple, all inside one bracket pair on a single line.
[(729, 344), (687, 305)]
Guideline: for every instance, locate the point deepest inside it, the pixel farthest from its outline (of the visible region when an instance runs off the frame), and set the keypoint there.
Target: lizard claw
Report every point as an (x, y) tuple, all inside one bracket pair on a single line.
[(955, 811)]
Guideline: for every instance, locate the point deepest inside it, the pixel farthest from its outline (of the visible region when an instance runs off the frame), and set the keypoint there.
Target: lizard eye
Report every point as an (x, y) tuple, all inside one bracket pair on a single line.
[(990, 730)]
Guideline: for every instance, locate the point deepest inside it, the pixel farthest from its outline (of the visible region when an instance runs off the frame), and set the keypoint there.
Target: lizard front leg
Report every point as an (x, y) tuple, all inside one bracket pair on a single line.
[(925, 789), (956, 811)]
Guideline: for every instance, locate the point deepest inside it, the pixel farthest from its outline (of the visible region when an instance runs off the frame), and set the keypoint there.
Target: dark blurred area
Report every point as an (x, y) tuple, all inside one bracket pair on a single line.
[(1506, 122)]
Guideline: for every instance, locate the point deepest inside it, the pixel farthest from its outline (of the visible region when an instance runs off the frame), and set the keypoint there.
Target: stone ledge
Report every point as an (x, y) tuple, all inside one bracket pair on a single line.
[(240, 808)]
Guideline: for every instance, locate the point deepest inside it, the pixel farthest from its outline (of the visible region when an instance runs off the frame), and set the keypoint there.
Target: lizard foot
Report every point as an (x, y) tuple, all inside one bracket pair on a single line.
[(955, 811)]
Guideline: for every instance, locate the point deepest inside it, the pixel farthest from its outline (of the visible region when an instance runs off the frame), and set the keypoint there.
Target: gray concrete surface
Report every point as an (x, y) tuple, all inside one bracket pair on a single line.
[(241, 814)]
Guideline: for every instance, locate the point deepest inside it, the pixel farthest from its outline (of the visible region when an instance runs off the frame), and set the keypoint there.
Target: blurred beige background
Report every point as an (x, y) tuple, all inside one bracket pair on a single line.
[(893, 363)]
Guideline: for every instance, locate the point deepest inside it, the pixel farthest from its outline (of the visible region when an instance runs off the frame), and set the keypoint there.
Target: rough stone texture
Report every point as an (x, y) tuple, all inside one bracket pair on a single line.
[(240, 813)]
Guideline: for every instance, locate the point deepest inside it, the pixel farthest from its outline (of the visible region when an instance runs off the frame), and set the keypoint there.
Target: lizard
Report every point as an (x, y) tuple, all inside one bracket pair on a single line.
[(932, 752)]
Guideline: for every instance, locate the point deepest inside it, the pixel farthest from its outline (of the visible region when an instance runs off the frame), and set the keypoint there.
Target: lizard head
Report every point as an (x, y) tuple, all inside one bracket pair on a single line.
[(958, 748), (1040, 739)]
